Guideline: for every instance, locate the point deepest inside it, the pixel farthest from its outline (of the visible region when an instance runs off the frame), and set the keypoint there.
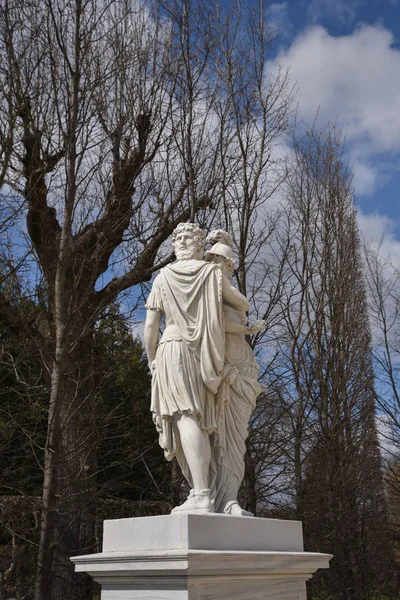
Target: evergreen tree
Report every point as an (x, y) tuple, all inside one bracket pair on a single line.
[(130, 459), (22, 404)]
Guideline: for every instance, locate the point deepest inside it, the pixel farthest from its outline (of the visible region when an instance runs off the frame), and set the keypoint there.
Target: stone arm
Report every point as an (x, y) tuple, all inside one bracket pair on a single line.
[(232, 296), (151, 332), (232, 326)]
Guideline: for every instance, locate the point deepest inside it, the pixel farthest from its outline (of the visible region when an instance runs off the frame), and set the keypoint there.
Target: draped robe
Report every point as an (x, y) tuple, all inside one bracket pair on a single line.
[(236, 401), (190, 356)]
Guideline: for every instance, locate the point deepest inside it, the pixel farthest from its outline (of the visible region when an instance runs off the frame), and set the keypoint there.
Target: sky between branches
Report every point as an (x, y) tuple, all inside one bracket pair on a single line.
[(344, 57)]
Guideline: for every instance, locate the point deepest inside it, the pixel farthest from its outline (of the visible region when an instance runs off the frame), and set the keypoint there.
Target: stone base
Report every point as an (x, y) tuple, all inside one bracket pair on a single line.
[(202, 557)]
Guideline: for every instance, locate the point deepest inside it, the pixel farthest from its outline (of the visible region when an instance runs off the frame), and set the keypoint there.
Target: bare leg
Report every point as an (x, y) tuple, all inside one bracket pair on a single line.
[(196, 448)]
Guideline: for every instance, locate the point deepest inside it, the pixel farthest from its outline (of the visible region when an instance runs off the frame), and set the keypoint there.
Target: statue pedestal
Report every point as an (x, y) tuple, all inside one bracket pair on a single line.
[(202, 557)]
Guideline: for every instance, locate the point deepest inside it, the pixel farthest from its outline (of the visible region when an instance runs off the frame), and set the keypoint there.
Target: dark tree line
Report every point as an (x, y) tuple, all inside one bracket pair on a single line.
[(131, 479)]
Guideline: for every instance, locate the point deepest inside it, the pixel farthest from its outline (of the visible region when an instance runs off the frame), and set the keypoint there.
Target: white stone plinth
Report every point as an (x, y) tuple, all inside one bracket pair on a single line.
[(202, 557)]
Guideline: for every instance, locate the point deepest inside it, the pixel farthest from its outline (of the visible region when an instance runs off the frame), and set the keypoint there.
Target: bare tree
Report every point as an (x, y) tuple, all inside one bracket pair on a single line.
[(113, 137), (254, 108), (383, 287), (326, 374), (383, 292), (119, 120)]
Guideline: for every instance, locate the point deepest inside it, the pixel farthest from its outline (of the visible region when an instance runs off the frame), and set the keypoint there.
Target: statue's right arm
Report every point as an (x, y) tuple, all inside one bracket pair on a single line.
[(151, 332), (232, 296)]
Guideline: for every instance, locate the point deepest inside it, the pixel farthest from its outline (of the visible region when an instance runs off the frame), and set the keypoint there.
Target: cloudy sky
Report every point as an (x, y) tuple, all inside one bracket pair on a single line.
[(344, 57)]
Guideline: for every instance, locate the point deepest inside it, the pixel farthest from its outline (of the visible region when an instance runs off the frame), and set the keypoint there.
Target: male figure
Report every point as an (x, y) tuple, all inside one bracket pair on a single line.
[(188, 361)]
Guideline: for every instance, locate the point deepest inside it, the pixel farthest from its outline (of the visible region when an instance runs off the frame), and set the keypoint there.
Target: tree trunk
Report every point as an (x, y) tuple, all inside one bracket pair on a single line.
[(298, 475), (76, 481), (69, 501)]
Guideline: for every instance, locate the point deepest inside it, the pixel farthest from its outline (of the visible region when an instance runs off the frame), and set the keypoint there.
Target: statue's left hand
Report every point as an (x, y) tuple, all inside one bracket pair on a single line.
[(256, 326)]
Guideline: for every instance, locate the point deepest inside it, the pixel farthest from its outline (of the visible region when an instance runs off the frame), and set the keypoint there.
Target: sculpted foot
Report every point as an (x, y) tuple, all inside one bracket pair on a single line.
[(233, 508), (197, 502)]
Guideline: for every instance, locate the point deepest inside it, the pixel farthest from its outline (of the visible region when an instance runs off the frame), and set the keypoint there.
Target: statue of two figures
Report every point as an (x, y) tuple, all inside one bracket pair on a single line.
[(204, 374)]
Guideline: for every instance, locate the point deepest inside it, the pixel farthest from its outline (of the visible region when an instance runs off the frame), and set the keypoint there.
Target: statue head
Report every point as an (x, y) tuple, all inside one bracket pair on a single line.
[(188, 241), (221, 252)]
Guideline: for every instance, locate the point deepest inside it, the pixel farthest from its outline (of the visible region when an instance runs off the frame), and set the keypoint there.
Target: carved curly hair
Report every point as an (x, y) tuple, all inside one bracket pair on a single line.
[(198, 235)]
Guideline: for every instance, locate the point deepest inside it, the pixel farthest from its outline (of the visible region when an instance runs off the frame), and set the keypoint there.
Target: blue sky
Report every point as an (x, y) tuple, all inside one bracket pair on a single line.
[(344, 57)]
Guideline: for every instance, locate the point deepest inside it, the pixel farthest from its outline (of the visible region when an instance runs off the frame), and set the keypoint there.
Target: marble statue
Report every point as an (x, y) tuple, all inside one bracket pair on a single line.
[(196, 381), (237, 393)]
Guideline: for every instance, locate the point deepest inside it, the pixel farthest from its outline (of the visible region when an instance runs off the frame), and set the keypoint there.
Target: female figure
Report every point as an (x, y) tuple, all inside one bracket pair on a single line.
[(237, 394)]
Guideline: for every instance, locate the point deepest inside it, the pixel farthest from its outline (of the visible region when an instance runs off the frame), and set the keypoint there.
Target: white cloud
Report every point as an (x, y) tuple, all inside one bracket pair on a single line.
[(354, 81), (375, 226), (365, 177), (379, 231)]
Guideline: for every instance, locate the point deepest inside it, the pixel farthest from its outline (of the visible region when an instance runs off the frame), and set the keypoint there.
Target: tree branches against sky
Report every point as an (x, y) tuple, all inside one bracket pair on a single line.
[(344, 57)]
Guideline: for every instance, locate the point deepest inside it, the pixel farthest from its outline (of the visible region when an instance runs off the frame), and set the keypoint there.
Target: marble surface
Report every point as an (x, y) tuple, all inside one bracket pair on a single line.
[(204, 373), (201, 532), (186, 557)]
